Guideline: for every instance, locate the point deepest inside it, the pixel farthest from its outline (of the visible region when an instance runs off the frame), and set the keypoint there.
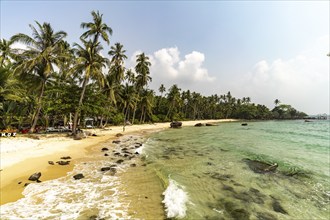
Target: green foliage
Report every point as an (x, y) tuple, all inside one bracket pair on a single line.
[(117, 119)]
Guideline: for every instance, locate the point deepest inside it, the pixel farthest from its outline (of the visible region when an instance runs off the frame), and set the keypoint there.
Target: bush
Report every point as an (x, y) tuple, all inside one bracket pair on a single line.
[(117, 119)]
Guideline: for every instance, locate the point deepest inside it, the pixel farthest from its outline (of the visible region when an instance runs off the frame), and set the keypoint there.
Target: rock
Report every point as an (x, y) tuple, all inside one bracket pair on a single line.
[(94, 135), (26, 184), (66, 158), (106, 155), (63, 162), (240, 214), (199, 125), (19, 182), (119, 135), (265, 216), (77, 138), (133, 165), (260, 167), (209, 163), (105, 168), (222, 177), (105, 149), (120, 161), (78, 176), (137, 153), (278, 208), (116, 154), (35, 176), (116, 141), (123, 149), (176, 124), (51, 162), (209, 124), (244, 124)]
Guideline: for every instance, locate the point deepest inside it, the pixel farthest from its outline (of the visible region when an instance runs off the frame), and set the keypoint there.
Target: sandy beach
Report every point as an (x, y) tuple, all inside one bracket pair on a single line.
[(22, 156)]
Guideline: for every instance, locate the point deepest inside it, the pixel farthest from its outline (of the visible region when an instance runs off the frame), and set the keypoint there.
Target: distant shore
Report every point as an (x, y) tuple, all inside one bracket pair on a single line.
[(22, 156)]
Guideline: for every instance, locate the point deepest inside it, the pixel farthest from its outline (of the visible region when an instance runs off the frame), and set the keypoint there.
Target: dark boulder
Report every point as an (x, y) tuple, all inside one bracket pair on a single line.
[(51, 162), (105, 168), (199, 125), (106, 155), (111, 169), (176, 124), (105, 149), (26, 184), (119, 135), (62, 163), (120, 161), (116, 141), (35, 176), (244, 124), (260, 167), (78, 176), (209, 124), (133, 165), (66, 158)]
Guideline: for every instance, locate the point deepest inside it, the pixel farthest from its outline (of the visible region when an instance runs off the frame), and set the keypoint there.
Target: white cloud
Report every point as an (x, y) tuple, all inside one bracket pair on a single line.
[(302, 81), (168, 68)]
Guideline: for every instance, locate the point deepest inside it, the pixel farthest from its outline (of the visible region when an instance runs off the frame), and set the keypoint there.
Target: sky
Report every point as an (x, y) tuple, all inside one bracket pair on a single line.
[(264, 50)]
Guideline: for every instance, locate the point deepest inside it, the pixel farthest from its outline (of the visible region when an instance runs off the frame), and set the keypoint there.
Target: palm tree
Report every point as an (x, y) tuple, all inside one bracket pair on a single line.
[(147, 100), (96, 29), (130, 76), (162, 89), (6, 52), (90, 63), (117, 61), (174, 100), (142, 69), (277, 102), (38, 60)]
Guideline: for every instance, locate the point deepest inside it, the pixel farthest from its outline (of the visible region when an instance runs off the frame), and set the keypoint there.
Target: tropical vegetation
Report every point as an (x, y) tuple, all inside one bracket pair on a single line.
[(51, 82)]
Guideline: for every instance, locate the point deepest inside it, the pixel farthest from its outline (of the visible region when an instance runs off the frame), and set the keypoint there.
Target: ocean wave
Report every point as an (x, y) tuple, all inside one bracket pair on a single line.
[(175, 200)]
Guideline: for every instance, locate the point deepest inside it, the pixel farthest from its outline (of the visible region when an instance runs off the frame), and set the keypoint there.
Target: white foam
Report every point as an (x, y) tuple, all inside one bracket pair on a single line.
[(66, 198), (175, 199), (140, 149)]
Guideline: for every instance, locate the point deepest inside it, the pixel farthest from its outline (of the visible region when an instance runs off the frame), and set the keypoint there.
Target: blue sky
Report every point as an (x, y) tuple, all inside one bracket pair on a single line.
[(261, 49)]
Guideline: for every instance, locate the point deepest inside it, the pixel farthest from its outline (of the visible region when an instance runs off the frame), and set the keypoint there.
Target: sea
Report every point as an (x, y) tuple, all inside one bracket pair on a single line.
[(264, 170)]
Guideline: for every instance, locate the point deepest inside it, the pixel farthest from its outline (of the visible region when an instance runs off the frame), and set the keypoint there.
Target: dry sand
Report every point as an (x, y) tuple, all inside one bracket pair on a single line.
[(22, 156)]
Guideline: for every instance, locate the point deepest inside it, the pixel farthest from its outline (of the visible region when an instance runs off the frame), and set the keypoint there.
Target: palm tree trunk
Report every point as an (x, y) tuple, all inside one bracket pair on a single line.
[(36, 116), (76, 114), (133, 118)]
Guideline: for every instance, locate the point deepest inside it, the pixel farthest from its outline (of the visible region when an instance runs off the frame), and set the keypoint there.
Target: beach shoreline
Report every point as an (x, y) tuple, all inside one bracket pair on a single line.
[(23, 156)]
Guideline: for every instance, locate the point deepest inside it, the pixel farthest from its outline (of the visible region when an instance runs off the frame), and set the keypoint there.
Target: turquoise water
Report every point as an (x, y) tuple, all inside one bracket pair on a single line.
[(206, 174)]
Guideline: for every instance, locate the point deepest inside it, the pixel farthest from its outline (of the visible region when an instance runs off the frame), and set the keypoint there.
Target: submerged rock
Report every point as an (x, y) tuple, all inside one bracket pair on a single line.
[(78, 176), (260, 167), (244, 124), (265, 216), (278, 208), (35, 176), (51, 162)]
